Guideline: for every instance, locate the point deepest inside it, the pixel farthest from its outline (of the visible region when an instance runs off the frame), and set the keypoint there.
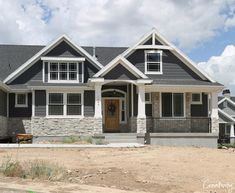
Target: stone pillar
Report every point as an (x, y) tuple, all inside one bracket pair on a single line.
[(214, 113), (141, 117), (232, 137), (98, 109), (188, 104)]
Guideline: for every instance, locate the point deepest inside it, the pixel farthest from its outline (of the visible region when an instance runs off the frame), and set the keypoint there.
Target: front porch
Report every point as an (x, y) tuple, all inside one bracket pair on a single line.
[(131, 108)]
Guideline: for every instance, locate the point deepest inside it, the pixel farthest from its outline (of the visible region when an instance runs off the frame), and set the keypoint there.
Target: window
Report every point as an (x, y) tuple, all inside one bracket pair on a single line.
[(63, 104), (21, 100), (148, 98), (56, 104), (74, 106), (196, 98), (172, 104), (153, 62), (65, 71)]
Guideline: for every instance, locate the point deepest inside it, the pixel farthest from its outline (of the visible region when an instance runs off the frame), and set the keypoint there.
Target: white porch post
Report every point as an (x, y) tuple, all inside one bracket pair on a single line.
[(214, 113), (98, 125), (98, 102), (232, 137), (141, 117)]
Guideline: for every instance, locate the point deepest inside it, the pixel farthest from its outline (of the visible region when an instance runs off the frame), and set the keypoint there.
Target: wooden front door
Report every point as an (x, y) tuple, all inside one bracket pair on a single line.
[(111, 115)]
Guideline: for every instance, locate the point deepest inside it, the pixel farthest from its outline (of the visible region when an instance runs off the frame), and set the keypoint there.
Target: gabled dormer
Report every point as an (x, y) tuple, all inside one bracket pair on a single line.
[(159, 59)]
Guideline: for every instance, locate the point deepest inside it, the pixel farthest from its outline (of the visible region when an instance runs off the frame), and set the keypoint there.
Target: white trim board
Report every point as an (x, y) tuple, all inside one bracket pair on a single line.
[(120, 60), (228, 99), (226, 115), (174, 50), (45, 50)]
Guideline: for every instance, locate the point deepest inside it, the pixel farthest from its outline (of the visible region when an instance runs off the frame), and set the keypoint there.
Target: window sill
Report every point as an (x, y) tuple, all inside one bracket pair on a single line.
[(21, 106), (64, 116), (160, 73)]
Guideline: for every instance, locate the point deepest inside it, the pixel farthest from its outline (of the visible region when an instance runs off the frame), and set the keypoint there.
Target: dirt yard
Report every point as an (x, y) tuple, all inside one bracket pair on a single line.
[(119, 170)]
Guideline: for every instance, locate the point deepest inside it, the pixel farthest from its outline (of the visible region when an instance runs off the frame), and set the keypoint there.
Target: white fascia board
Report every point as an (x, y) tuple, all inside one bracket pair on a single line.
[(4, 87), (125, 63), (228, 99), (60, 88), (144, 81), (46, 49), (73, 59), (148, 47), (91, 58), (98, 80), (183, 88), (175, 50), (226, 115)]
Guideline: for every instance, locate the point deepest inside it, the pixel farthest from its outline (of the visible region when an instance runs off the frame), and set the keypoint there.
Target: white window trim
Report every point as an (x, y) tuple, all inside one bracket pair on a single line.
[(145, 63), (65, 104), (173, 117), (66, 81), (196, 102), (21, 105), (150, 98)]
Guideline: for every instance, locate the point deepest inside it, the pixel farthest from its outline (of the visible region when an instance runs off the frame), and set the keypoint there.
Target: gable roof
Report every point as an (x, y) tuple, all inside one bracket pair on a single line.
[(46, 49), (227, 99), (226, 115), (13, 56), (120, 60), (154, 34)]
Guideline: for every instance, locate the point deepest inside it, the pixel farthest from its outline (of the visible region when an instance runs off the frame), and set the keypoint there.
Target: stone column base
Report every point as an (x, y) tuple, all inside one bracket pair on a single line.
[(98, 126), (141, 125), (214, 125), (232, 140)]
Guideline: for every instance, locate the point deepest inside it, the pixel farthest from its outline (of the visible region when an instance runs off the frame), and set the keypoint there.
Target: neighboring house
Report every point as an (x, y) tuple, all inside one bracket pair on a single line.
[(152, 87), (226, 117)]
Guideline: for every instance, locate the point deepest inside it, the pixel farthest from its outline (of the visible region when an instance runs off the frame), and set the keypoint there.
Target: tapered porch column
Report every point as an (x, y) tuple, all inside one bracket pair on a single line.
[(98, 102), (141, 117), (232, 137), (98, 109), (214, 113)]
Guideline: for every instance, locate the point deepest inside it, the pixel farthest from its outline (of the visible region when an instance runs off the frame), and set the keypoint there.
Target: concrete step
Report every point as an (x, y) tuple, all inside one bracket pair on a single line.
[(121, 141)]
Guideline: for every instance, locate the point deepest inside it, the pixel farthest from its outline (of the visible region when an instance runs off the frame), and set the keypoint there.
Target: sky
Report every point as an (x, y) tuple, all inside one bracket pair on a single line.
[(204, 30)]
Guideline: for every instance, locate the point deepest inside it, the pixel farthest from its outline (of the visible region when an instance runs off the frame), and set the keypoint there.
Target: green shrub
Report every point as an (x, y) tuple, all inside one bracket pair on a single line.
[(100, 142), (71, 139)]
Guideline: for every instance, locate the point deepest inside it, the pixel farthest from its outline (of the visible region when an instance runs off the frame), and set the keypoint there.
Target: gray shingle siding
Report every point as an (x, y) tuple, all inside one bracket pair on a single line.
[(32, 74), (22, 111), (63, 50), (229, 108), (89, 103), (200, 110), (40, 103), (3, 103), (173, 68), (121, 73)]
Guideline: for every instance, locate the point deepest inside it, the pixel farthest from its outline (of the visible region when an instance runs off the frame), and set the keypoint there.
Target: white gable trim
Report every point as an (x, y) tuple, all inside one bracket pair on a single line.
[(228, 99), (226, 115), (176, 51), (45, 50), (125, 63)]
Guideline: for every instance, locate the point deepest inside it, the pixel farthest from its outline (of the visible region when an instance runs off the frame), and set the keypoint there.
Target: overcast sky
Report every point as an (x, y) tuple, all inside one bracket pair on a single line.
[(203, 29)]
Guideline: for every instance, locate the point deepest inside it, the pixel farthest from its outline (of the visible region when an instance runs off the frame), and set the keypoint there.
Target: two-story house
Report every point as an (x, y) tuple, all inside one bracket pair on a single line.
[(64, 89)]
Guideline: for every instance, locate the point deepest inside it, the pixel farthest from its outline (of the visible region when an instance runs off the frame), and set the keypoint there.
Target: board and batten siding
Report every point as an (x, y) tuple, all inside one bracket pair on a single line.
[(40, 103), (3, 103), (19, 111), (200, 110)]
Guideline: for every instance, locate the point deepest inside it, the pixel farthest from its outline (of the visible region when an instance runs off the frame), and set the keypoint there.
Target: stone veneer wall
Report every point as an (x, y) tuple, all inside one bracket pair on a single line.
[(3, 126), (66, 126)]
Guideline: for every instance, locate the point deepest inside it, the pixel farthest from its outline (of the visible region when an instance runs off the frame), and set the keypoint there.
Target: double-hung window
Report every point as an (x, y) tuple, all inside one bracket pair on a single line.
[(21, 100), (172, 104), (153, 62), (65, 71), (64, 104)]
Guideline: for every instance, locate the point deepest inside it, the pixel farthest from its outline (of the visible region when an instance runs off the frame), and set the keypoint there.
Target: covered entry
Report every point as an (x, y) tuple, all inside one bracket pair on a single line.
[(114, 110)]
